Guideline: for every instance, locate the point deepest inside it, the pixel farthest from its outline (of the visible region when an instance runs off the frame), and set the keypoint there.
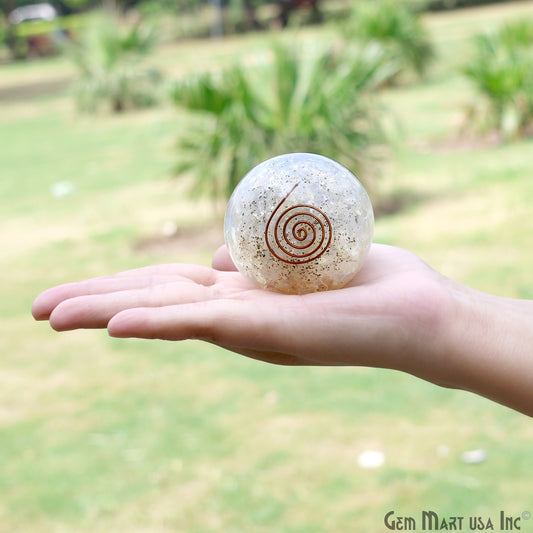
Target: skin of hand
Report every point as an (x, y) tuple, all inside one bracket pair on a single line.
[(397, 313)]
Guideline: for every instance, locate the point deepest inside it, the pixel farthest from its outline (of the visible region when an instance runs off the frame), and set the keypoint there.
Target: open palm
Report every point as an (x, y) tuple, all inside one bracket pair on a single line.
[(397, 313), (384, 318)]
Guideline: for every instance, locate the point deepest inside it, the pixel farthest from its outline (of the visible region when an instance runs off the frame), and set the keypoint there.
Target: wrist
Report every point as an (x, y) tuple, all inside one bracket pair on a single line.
[(487, 347)]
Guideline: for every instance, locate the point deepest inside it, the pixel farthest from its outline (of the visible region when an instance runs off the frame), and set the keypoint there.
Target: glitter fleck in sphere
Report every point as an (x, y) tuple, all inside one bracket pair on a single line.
[(299, 223)]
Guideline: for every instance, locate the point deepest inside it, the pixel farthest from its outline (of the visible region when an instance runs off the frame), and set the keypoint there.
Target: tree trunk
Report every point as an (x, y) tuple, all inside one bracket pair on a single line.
[(217, 26), (250, 19)]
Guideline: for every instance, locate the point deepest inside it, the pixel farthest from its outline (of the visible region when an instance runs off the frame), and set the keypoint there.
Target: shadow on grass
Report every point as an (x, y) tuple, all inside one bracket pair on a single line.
[(397, 202)]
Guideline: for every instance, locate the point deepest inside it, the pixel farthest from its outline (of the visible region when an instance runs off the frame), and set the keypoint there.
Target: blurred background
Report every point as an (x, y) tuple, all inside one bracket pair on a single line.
[(124, 127)]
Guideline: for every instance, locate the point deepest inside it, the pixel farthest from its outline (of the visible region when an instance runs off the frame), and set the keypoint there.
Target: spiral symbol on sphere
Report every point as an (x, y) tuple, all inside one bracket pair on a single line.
[(298, 234)]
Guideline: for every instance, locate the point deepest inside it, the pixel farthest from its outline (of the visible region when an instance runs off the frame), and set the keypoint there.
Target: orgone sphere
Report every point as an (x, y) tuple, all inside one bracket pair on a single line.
[(299, 223)]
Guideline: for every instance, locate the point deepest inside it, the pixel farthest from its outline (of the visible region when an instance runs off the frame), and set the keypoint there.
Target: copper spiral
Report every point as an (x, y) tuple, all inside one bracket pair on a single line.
[(299, 234)]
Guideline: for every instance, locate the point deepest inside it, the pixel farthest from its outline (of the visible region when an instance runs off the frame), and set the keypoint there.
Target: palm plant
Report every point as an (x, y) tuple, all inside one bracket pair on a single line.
[(502, 71), (397, 27), (294, 102), (518, 33), (110, 71)]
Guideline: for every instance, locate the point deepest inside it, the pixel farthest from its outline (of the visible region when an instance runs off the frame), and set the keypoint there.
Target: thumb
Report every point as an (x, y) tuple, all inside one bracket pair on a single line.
[(222, 260)]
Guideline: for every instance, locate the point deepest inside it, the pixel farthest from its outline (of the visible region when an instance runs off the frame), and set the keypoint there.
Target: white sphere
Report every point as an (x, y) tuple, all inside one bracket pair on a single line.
[(299, 223)]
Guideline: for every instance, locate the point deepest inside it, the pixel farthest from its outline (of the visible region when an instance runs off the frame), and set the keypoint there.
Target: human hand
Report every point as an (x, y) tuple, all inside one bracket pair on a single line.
[(397, 313), (391, 315)]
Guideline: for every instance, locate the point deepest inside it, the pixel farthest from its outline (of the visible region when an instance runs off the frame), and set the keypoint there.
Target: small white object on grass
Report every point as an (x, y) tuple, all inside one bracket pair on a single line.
[(474, 456), (60, 189), (169, 228), (371, 459)]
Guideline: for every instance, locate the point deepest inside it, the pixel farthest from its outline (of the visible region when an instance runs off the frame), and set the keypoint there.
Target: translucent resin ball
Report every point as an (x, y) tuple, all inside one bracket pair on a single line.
[(299, 223)]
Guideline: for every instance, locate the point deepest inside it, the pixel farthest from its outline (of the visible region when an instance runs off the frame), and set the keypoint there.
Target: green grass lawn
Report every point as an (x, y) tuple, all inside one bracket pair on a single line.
[(105, 435)]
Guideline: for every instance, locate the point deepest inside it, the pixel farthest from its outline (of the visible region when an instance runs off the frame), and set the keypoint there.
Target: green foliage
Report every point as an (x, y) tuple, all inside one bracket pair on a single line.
[(110, 70), (502, 70), (317, 101), (4, 28), (518, 33), (397, 27), (40, 27)]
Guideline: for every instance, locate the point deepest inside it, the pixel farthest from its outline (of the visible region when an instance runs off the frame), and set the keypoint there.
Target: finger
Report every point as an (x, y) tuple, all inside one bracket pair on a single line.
[(222, 260), (219, 322), (131, 279), (241, 325), (138, 323), (48, 300), (95, 311), (197, 273)]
